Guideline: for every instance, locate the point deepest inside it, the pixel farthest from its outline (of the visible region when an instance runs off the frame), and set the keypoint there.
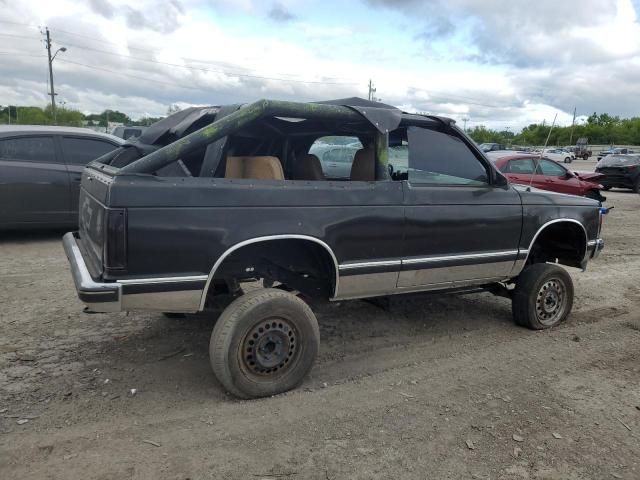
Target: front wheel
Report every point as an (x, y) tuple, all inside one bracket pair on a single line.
[(585, 156), (264, 343), (543, 296), (567, 160)]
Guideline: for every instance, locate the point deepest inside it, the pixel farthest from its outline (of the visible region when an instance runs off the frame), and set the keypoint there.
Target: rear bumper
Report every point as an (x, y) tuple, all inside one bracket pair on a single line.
[(97, 296), (159, 294)]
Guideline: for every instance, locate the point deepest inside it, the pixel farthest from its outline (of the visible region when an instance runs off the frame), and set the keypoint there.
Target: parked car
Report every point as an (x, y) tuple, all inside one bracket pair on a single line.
[(492, 147), (622, 171), (559, 155), (128, 132), (40, 172), (615, 151), (581, 149), (547, 174), (336, 160), (242, 201)]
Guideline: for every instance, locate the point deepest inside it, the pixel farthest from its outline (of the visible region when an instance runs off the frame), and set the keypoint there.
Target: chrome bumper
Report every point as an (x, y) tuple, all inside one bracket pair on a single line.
[(98, 297), (595, 247), (164, 294)]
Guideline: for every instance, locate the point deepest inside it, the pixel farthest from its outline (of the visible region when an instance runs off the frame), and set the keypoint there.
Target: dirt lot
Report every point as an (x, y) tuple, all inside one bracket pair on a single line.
[(436, 387)]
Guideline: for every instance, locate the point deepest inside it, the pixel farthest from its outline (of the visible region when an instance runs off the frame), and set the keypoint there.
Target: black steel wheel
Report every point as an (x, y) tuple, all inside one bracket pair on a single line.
[(543, 296), (264, 343)]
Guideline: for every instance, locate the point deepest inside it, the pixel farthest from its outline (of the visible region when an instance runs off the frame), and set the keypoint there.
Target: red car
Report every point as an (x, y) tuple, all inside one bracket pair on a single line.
[(549, 175)]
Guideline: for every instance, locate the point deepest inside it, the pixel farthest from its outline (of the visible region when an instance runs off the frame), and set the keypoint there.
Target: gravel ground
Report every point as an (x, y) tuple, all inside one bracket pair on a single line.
[(434, 387)]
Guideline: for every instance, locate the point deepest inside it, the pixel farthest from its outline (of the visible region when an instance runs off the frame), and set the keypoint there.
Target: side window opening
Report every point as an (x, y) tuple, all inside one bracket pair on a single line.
[(30, 149), (336, 155), (80, 151), (550, 168), (522, 166), (429, 156)]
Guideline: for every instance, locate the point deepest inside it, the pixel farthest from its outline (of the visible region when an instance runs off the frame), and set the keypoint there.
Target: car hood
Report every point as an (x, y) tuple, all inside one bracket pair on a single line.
[(536, 196), (589, 176)]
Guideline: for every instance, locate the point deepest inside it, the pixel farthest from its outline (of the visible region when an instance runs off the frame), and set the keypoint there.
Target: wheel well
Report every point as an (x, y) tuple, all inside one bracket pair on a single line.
[(562, 242), (298, 264)]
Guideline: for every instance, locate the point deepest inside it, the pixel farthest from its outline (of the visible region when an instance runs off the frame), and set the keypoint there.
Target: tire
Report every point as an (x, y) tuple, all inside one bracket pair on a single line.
[(543, 296), (636, 185), (264, 343), (567, 160), (585, 156)]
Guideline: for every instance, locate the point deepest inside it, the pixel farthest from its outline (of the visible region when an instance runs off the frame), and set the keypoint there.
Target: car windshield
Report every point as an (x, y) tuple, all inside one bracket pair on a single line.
[(620, 161)]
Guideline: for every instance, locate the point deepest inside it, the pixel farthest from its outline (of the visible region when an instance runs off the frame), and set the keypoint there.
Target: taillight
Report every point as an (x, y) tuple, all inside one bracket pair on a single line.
[(115, 246)]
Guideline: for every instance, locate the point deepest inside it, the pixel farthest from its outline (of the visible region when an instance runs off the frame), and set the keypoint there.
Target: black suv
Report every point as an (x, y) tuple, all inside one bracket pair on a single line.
[(621, 171)]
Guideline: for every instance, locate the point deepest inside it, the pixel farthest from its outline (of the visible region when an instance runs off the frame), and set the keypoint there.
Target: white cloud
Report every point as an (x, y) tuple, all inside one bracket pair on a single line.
[(514, 68)]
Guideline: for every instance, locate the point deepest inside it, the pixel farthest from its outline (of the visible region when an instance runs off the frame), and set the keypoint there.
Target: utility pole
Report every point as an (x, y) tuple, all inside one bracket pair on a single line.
[(465, 120), (51, 58), (372, 91), (573, 124), (52, 93)]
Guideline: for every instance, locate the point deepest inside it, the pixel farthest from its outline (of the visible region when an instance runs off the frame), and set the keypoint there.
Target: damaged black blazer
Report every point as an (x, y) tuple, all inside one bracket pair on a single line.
[(214, 197)]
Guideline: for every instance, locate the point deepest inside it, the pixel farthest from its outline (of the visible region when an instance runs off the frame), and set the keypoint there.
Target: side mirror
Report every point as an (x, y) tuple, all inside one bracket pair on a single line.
[(569, 175)]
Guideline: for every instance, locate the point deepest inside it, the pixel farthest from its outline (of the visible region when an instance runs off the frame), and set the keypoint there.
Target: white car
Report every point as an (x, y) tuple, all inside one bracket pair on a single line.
[(560, 155)]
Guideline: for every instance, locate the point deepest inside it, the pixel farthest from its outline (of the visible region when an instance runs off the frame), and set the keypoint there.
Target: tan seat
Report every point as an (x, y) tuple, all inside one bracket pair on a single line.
[(307, 167), (256, 168), (363, 168)]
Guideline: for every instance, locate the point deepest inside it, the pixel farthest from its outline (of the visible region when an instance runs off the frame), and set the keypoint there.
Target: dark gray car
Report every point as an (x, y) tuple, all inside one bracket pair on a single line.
[(40, 172)]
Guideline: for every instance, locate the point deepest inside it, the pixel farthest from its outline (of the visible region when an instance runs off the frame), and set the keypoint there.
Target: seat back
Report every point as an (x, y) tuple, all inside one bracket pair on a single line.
[(363, 168), (256, 168), (308, 167)]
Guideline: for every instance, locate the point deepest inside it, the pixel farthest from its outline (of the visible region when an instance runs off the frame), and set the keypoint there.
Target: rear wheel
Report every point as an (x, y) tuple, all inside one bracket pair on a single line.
[(585, 156), (543, 296), (264, 343)]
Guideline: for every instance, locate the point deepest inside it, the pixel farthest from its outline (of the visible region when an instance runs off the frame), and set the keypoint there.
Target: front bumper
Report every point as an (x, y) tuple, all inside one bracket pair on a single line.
[(97, 296), (595, 247)]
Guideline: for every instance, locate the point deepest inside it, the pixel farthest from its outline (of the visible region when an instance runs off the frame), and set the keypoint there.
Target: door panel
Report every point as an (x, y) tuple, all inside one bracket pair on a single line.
[(459, 229), (459, 233), (34, 184)]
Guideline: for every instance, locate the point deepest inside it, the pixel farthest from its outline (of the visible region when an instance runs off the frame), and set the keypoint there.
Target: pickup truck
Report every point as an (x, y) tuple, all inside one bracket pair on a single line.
[(212, 202)]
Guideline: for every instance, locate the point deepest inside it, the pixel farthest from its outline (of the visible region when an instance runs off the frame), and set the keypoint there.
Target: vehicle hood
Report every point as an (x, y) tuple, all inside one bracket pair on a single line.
[(589, 176), (536, 196)]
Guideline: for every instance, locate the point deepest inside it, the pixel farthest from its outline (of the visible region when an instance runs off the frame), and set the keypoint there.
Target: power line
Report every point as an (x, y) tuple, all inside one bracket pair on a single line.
[(16, 54), (17, 36), (145, 79), (225, 72), (201, 69)]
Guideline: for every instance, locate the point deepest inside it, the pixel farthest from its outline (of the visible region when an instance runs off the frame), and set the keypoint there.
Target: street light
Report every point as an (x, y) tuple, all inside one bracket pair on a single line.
[(61, 49)]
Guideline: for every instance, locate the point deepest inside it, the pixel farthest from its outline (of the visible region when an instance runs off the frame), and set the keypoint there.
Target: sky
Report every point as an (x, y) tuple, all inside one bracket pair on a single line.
[(499, 63)]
